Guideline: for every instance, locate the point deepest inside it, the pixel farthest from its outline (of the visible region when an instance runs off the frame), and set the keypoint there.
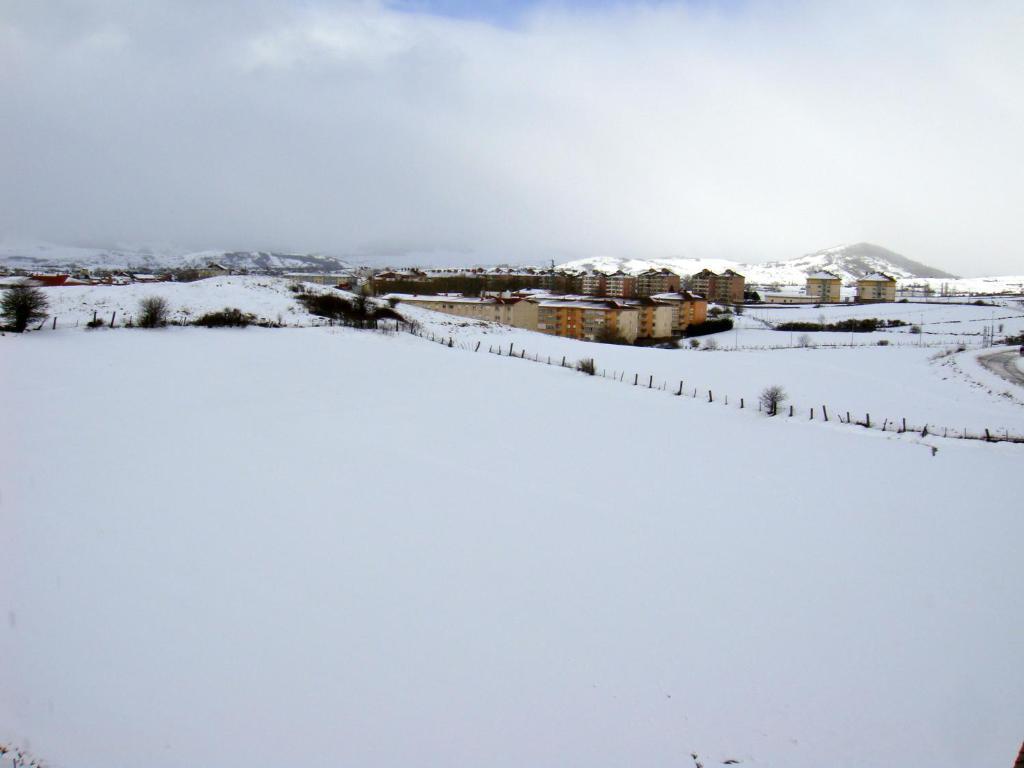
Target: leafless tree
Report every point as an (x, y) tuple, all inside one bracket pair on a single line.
[(771, 398)]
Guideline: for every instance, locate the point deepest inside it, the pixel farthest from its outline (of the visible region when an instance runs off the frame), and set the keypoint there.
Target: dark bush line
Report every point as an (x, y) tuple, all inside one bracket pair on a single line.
[(708, 326), (226, 318), (360, 312), (866, 325)]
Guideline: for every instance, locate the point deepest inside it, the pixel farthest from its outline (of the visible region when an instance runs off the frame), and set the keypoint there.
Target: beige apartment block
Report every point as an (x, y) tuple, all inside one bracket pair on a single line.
[(824, 287), (687, 308), (876, 287), (513, 311), (588, 319)]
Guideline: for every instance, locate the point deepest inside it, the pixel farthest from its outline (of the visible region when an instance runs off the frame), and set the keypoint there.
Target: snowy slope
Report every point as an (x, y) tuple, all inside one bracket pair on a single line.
[(325, 548), (901, 380)]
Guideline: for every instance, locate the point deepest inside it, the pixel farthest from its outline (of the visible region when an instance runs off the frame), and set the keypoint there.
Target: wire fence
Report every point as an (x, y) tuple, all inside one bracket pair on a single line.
[(822, 413)]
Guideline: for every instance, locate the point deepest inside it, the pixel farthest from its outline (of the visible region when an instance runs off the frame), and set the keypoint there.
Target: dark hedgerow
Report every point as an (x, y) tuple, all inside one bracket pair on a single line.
[(708, 326), (226, 318), (359, 312), (864, 325)]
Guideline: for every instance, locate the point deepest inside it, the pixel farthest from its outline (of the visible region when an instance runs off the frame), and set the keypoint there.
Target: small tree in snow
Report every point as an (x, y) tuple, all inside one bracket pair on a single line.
[(23, 304), (771, 398)]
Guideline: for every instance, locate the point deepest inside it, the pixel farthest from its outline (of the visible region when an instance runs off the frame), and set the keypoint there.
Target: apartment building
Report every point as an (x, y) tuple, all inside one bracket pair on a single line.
[(514, 311), (656, 281), (686, 308), (655, 318), (726, 288), (824, 287), (877, 286), (588, 319), (592, 283), (619, 284)]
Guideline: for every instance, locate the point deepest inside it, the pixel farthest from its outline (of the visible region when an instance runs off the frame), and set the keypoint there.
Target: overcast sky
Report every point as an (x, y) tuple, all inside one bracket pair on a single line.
[(518, 130)]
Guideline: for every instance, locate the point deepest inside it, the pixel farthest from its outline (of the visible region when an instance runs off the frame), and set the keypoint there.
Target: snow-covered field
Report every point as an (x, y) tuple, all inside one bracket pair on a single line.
[(910, 378), (266, 297), (925, 385), (330, 547)]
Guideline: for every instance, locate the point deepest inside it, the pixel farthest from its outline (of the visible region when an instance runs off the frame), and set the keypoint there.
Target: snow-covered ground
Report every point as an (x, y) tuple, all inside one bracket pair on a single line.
[(911, 377), (926, 385), (327, 547), (266, 297)]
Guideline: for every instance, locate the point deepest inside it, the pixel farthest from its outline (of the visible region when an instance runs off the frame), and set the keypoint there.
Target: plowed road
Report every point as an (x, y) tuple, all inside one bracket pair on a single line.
[(1004, 364)]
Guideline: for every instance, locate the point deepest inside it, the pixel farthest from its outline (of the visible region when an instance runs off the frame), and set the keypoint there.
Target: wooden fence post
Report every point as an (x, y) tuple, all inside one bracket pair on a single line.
[(812, 414), (824, 412), (563, 361), (112, 316), (510, 349), (636, 378), (680, 392), (54, 323), (741, 403), (711, 398), (791, 411), (867, 420), (477, 347), (650, 383)]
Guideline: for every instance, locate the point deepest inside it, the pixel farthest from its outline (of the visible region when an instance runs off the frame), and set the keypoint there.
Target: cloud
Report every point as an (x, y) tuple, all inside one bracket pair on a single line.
[(746, 130)]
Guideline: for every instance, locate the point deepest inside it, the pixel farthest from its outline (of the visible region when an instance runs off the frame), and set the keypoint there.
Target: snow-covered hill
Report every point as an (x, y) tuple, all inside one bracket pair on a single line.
[(847, 261), (51, 257)]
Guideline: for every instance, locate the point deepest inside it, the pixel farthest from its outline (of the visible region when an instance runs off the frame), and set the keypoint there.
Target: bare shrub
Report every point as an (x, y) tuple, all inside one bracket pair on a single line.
[(587, 366), (771, 398), (154, 312)]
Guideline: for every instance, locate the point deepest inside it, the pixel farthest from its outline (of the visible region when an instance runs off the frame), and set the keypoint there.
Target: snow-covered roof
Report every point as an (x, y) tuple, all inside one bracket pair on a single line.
[(446, 299), (683, 295), (877, 277), (822, 275), (587, 305)]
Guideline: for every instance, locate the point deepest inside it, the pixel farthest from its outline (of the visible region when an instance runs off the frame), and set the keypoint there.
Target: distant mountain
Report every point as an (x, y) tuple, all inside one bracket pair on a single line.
[(42, 257), (846, 261), (851, 261)]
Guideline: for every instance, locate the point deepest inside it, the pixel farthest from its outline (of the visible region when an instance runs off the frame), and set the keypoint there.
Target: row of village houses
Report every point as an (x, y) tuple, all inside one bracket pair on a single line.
[(578, 317)]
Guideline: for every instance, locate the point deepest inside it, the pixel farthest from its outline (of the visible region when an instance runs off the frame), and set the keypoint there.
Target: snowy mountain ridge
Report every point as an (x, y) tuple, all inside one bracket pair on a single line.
[(847, 261), (47, 256)]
